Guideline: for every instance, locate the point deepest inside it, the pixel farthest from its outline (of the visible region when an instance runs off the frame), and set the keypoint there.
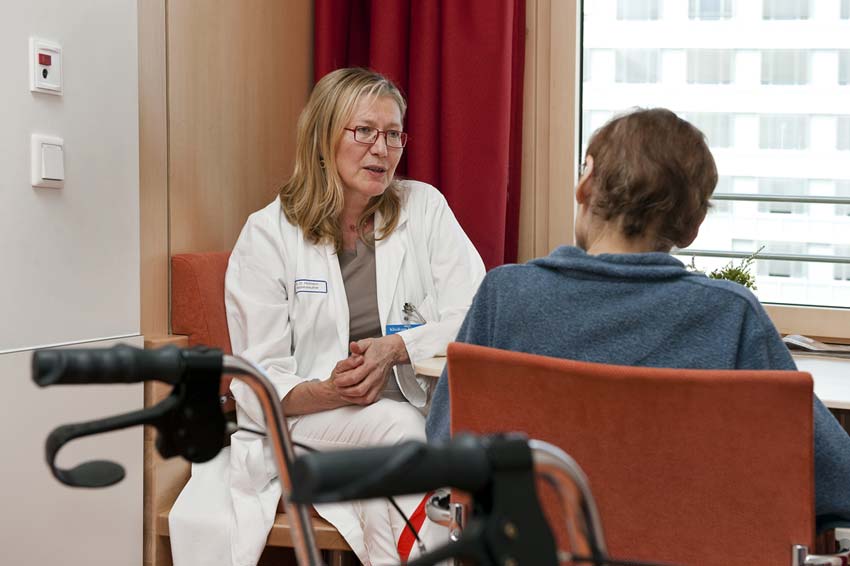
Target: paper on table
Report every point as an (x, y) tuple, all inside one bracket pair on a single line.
[(810, 345)]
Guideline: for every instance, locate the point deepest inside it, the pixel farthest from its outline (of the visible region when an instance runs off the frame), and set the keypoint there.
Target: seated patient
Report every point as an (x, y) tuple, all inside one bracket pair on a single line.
[(618, 297)]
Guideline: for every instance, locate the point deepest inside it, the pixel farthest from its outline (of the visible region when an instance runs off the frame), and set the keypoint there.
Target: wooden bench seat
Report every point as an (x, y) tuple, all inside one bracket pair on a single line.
[(327, 537)]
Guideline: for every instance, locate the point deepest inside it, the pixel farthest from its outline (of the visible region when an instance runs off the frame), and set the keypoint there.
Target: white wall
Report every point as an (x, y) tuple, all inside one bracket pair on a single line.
[(69, 274), (43, 522), (70, 257)]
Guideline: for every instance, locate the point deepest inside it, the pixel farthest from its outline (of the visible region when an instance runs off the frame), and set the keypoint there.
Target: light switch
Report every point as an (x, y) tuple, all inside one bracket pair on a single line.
[(48, 162), (52, 162), (45, 66)]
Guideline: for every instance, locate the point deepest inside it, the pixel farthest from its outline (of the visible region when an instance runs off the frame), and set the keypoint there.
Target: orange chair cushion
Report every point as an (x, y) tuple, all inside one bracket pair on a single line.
[(197, 303), (687, 466)]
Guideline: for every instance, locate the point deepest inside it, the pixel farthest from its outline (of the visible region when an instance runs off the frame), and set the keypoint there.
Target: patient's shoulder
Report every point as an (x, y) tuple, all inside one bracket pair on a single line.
[(727, 292)]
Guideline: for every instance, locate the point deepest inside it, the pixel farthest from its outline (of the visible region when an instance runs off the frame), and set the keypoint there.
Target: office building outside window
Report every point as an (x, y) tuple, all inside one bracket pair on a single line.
[(785, 9), (781, 268), (637, 65), (841, 272), (777, 120), (638, 9), (845, 9), (725, 185), (784, 67), (783, 131), (783, 188), (842, 189), (710, 9), (843, 133), (844, 67), (717, 127), (710, 66)]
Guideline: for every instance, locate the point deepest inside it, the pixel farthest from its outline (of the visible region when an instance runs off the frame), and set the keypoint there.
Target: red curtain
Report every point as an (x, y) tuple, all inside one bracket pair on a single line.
[(460, 65)]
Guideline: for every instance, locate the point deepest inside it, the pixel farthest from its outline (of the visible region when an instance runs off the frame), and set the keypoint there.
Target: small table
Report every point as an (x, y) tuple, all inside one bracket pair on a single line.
[(831, 377)]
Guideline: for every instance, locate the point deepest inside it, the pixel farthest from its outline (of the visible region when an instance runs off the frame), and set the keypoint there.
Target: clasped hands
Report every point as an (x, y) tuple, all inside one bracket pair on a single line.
[(362, 376)]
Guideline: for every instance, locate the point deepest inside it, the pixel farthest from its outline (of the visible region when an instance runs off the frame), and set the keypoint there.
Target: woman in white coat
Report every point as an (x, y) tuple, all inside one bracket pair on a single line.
[(336, 289)]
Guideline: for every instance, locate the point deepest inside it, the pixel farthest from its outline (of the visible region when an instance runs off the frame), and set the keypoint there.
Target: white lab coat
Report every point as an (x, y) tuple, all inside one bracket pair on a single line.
[(287, 311)]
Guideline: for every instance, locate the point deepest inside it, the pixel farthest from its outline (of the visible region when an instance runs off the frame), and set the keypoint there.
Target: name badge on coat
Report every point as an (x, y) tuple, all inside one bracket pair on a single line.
[(311, 286)]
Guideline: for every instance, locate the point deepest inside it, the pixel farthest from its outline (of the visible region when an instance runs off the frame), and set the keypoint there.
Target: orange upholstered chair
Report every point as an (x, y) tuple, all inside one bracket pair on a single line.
[(197, 311), (197, 298), (197, 304), (687, 466)]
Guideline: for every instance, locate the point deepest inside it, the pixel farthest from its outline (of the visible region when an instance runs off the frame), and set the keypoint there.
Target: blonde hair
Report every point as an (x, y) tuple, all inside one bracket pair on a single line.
[(312, 198)]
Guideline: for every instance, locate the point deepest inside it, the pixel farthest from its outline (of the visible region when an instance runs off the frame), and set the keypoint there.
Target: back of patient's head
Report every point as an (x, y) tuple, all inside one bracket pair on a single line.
[(652, 173)]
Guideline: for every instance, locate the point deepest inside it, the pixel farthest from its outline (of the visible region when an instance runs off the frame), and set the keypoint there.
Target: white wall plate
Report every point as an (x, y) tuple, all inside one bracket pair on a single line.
[(45, 66), (47, 161)]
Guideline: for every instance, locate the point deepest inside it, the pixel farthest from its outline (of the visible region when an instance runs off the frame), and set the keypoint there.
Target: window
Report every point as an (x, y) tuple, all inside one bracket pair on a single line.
[(710, 66), (770, 117), (845, 9), (717, 127), (724, 187), (710, 9), (782, 268), (784, 67), (842, 189), (843, 134), (844, 67), (783, 188), (592, 121), (783, 132), (637, 9), (637, 65), (785, 9), (841, 271)]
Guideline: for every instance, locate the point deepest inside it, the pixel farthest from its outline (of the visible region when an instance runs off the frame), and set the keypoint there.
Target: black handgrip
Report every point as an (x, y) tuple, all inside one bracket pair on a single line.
[(411, 467), (98, 473), (119, 364)]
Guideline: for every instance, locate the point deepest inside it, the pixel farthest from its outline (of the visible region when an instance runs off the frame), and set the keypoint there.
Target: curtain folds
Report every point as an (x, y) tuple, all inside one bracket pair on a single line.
[(460, 65)]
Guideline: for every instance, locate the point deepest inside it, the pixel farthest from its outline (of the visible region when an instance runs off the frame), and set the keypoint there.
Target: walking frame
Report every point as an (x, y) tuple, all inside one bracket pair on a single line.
[(505, 524)]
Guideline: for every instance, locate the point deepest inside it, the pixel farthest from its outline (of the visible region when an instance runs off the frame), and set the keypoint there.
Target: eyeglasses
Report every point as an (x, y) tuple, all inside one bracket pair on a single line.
[(368, 135)]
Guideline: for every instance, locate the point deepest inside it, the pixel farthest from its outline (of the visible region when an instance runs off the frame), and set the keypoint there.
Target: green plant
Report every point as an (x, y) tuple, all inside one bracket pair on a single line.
[(738, 272)]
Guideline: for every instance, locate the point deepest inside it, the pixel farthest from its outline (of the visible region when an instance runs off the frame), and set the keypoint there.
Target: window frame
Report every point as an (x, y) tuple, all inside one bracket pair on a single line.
[(551, 142)]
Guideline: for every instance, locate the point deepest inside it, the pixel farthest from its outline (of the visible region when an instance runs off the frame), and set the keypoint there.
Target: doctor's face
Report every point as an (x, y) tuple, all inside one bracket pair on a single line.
[(366, 169)]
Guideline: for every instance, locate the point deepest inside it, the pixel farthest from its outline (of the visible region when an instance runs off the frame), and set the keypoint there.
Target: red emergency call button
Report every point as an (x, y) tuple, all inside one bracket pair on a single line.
[(44, 59)]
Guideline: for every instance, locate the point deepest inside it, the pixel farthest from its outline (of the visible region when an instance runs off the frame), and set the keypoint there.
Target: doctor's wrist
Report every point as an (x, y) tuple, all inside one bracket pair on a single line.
[(400, 355)]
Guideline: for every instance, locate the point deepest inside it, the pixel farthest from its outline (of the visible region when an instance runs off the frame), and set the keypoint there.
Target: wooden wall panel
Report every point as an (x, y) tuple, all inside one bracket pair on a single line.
[(153, 168), (239, 73), (221, 84), (550, 133)]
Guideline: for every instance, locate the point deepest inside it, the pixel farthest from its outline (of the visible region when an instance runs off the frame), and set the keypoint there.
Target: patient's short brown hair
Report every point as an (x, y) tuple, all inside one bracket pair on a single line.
[(653, 172)]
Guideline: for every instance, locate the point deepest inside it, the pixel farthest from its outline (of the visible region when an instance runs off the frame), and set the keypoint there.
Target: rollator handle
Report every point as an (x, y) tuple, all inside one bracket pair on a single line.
[(410, 467), (118, 364), (189, 421)]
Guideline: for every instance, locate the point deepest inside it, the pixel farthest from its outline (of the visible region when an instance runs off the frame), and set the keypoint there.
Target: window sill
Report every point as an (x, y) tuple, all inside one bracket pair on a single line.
[(824, 324)]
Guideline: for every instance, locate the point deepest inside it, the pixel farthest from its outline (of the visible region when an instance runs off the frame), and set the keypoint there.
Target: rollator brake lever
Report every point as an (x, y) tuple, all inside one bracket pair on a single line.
[(189, 422)]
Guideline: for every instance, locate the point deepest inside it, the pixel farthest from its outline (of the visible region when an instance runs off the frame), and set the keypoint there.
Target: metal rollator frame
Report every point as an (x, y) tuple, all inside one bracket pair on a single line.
[(180, 420), (549, 461)]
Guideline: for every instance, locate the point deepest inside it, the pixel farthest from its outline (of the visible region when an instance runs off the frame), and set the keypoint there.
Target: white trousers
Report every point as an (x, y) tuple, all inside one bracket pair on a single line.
[(376, 521)]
